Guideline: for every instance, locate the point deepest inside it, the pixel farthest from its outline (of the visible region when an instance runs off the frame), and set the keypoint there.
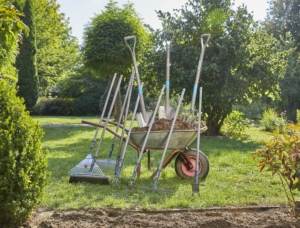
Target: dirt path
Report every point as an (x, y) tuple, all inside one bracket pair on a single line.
[(210, 218)]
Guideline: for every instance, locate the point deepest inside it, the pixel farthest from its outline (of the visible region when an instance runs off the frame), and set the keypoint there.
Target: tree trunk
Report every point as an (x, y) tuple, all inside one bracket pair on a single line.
[(214, 127), (292, 111)]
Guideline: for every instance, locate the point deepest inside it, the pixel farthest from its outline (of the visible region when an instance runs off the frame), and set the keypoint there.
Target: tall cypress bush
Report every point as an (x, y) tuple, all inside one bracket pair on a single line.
[(26, 60)]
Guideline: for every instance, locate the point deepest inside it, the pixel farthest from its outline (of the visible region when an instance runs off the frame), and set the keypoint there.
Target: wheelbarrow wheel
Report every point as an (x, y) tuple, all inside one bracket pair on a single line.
[(186, 170)]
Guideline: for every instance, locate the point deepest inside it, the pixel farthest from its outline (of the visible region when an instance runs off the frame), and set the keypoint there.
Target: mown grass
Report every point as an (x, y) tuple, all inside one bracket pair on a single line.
[(234, 178)]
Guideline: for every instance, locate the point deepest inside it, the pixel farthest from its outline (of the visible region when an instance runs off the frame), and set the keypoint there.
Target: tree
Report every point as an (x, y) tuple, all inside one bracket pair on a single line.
[(104, 50), (283, 22), (22, 163), (26, 60), (241, 62), (290, 86), (58, 51), (10, 26)]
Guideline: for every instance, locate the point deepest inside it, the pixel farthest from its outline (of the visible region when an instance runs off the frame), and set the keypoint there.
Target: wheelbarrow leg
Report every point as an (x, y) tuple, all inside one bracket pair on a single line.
[(167, 160)]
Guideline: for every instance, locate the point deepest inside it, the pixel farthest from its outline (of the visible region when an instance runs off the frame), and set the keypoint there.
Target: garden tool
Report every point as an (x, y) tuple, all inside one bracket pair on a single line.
[(160, 167), (144, 118), (87, 170), (196, 176), (167, 112), (124, 113), (204, 43), (141, 152), (120, 161)]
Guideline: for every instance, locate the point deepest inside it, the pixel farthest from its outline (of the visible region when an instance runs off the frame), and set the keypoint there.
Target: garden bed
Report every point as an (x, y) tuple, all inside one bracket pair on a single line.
[(214, 217)]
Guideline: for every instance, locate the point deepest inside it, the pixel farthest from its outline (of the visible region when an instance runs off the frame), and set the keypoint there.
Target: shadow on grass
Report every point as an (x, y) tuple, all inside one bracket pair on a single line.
[(218, 146)]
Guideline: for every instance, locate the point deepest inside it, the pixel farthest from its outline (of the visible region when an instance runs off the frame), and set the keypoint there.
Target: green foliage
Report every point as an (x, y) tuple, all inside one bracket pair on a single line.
[(22, 161), (298, 116), (241, 63), (283, 22), (10, 26), (28, 84), (58, 52), (290, 85), (104, 49), (271, 121), (235, 125), (54, 106), (281, 156), (85, 90)]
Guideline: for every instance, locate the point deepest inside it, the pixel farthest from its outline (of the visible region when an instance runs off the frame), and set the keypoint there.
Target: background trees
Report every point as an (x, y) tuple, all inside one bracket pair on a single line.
[(104, 50), (283, 22), (58, 51), (241, 62), (10, 26), (22, 162), (48, 52), (28, 83)]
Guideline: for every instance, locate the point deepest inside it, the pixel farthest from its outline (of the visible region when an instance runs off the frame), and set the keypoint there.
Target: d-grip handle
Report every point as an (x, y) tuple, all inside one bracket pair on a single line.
[(127, 39), (205, 39)]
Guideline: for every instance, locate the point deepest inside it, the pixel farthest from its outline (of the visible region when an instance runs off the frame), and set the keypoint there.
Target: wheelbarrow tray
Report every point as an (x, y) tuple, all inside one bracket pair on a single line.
[(180, 138)]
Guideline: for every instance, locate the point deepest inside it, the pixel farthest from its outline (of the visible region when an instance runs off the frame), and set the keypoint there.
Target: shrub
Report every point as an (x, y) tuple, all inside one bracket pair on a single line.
[(298, 116), (271, 121), (54, 106), (22, 161), (281, 156), (235, 125)]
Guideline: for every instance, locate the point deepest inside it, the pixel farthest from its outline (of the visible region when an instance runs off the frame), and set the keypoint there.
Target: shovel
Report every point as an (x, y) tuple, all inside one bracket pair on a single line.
[(144, 118), (204, 43)]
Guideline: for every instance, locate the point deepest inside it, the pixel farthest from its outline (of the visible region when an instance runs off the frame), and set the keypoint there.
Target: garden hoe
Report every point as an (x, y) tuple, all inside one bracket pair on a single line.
[(90, 169)]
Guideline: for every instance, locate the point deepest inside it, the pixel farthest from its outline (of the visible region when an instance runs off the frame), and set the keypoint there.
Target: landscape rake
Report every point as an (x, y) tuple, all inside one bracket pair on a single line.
[(90, 169)]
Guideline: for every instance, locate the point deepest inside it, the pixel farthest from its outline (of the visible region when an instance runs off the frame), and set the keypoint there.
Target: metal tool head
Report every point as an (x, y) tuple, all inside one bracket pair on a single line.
[(87, 171)]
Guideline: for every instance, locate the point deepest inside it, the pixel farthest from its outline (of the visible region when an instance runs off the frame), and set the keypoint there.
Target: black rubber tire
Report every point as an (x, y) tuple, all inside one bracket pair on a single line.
[(203, 165)]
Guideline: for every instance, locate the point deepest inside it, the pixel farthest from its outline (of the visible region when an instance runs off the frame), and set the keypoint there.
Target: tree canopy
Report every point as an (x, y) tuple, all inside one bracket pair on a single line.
[(104, 50), (11, 26), (58, 51), (241, 62), (283, 22)]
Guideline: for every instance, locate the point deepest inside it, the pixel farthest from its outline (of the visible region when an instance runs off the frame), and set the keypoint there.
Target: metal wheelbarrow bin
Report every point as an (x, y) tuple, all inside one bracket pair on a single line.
[(181, 147)]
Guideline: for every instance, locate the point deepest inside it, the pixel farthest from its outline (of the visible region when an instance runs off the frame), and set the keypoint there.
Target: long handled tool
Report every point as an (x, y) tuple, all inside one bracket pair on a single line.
[(140, 88), (124, 148), (141, 152), (158, 172), (108, 117), (196, 176), (124, 113), (204, 42), (168, 65), (87, 170)]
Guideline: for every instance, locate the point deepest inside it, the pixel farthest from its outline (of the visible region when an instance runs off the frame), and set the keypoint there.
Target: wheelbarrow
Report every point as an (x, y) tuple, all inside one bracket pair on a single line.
[(181, 146)]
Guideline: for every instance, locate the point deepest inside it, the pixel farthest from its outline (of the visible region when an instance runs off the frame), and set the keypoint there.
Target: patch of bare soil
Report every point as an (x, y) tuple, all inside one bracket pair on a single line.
[(210, 218), (165, 124)]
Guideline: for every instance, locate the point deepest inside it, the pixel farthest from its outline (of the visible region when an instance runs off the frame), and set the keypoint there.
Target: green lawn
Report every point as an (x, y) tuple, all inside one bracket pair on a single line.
[(233, 179)]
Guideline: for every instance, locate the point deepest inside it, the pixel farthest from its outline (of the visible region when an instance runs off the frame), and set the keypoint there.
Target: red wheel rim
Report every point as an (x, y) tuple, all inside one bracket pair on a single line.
[(189, 170)]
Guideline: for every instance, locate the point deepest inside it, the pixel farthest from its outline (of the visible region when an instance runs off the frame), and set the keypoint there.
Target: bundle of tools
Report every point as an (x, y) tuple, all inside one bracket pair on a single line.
[(176, 137)]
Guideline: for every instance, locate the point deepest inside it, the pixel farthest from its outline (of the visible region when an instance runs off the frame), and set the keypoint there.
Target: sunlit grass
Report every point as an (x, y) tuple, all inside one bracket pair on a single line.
[(234, 178)]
